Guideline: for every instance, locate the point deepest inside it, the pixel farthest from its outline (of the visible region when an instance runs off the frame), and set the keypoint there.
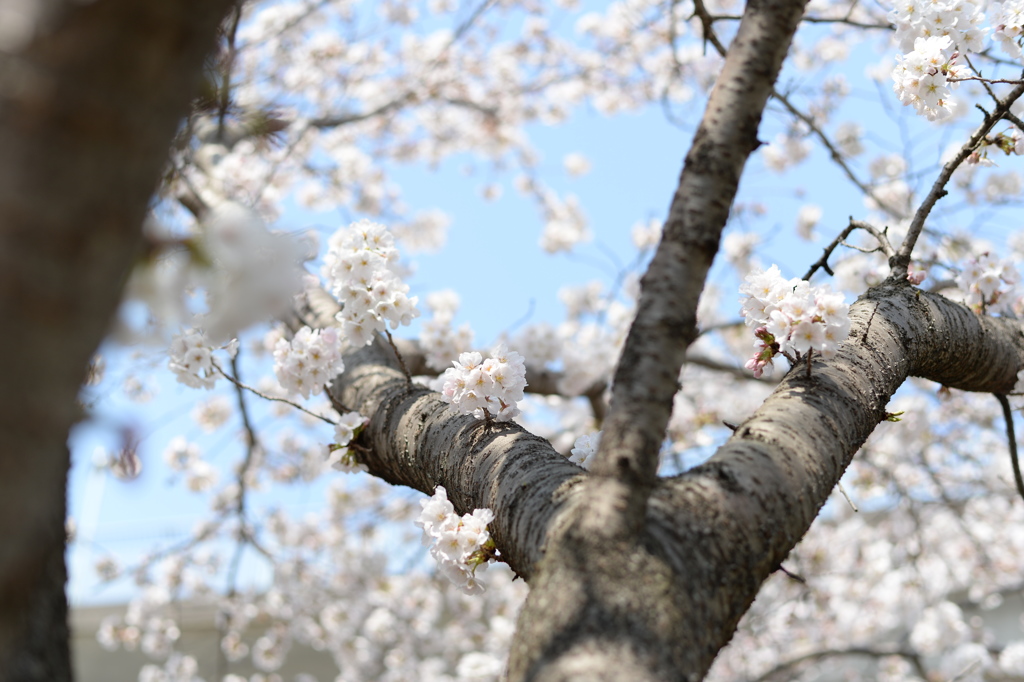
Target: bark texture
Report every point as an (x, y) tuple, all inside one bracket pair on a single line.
[(89, 104), (605, 540), (666, 603), (666, 321)]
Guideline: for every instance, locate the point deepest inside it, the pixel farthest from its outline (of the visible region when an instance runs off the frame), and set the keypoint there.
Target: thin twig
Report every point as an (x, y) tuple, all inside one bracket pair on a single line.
[(938, 190), (1008, 81), (848, 22), (707, 22), (336, 401), (963, 673), (1012, 439), (717, 366), (783, 669), (1012, 118), (880, 235), (252, 443), (404, 98), (815, 20), (837, 155), (842, 490), (792, 576), (252, 390), (344, 119)]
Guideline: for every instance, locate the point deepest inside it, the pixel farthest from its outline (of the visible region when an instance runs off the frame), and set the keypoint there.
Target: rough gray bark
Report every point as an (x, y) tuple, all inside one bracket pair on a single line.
[(666, 321), (635, 578), (86, 112), (88, 107), (604, 539), (709, 537)]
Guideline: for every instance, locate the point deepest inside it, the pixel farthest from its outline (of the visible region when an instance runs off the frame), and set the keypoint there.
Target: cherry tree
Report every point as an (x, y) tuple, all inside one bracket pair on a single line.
[(619, 546)]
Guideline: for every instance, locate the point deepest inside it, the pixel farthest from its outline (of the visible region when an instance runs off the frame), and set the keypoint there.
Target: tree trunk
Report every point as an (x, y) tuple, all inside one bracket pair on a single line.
[(710, 536), (90, 98)]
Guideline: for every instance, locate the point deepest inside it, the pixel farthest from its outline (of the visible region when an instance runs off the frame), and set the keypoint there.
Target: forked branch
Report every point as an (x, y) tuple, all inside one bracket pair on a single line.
[(901, 260)]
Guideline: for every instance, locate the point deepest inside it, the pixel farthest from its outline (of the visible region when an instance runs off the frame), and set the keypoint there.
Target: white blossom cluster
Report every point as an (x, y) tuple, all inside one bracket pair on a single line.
[(785, 151), (255, 272), (339, 456), (791, 317), (153, 634), (939, 628), (922, 77), (461, 545), (540, 343), (425, 233), (360, 268), (245, 272), (309, 361), (960, 21), (576, 164), (177, 668), (646, 235), (375, 622), (584, 449), (212, 414), (932, 35), (1011, 659), (185, 457), (191, 358), (1008, 23), (489, 388), (989, 284), (807, 219), (566, 225)]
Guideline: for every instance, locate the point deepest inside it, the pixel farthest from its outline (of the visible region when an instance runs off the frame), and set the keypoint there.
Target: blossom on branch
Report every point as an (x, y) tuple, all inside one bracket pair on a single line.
[(309, 361), (926, 76), (486, 388), (361, 271), (989, 284), (192, 358), (339, 456), (584, 449), (959, 21), (792, 317), (461, 545), (1008, 20)]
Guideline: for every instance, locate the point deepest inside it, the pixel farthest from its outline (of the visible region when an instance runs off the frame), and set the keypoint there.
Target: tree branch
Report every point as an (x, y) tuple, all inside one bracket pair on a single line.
[(710, 536), (1012, 441), (883, 245), (707, 22), (646, 378), (837, 156), (902, 259), (784, 670)]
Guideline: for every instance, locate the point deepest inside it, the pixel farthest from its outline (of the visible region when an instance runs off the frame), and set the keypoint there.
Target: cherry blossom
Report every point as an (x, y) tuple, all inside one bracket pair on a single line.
[(489, 388), (361, 269), (461, 545), (792, 318), (936, 542)]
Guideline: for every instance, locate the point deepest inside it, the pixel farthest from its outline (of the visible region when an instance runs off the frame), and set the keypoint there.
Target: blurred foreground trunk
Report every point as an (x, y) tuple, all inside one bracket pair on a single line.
[(91, 94)]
